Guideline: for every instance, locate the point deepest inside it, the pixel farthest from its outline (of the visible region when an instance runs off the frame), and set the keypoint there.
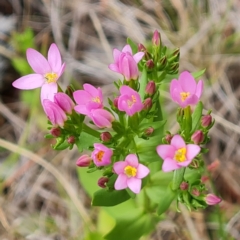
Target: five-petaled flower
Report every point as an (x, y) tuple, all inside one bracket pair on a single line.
[(129, 101), (130, 173), (125, 62), (47, 71), (178, 154), (186, 91), (101, 155)]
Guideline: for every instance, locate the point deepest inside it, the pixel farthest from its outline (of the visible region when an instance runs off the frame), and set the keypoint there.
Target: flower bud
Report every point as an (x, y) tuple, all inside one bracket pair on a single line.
[(64, 102), (150, 64), (206, 120), (212, 199), (150, 88), (147, 104), (184, 186), (156, 38), (56, 132), (115, 102), (102, 182), (204, 179), (168, 138), (149, 131), (71, 140), (141, 48), (105, 136), (213, 166), (198, 137), (195, 192), (84, 161)]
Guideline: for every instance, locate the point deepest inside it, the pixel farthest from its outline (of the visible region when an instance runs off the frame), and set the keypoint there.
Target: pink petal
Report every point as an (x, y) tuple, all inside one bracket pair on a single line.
[(134, 184), (127, 49), (125, 90), (199, 89), (81, 97), (166, 151), (192, 151), (116, 54), (38, 62), (132, 160), (121, 182), (169, 165), (114, 67), (191, 100), (54, 58), (81, 109), (48, 91), (138, 56), (178, 142), (187, 82), (185, 163), (61, 70), (118, 167), (29, 81), (175, 89), (142, 171), (124, 67), (91, 89)]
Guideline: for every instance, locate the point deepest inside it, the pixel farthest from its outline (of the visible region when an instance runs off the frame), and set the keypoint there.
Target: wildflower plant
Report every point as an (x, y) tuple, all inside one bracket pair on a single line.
[(127, 140)]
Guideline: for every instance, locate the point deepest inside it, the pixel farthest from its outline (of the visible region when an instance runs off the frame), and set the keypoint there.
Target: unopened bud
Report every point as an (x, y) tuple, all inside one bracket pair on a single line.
[(198, 137), (150, 64), (212, 199), (213, 166), (156, 38), (204, 179), (184, 186), (150, 88), (149, 131), (56, 132), (105, 136), (102, 182), (206, 120), (168, 138), (195, 192), (71, 140), (115, 102), (147, 104), (84, 161), (163, 62), (141, 48)]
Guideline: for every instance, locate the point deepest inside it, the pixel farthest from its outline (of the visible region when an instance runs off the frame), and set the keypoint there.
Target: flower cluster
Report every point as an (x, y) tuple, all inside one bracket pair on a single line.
[(124, 137)]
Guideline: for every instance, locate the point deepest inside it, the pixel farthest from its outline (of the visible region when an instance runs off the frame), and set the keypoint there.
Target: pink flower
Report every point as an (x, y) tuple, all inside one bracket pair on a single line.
[(129, 101), (54, 113), (212, 199), (47, 72), (64, 102), (177, 154), (84, 161), (101, 155), (102, 118), (186, 91), (125, 63), (88, 99), (156, 38), (130, 173)]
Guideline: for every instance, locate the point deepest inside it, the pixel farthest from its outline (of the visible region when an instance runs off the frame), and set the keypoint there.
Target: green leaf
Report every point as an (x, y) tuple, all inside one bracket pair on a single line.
[(85, 141), (161, 178), (94, 236), (132, 227), (21, 65), (143, 83), (165, 201), (106, 197), (133, 45), (196, 116), (178, 175), (199, 73)]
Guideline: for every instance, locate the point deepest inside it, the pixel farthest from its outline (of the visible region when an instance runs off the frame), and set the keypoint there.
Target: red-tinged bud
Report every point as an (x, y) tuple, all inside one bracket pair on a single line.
[(147, 104), (212, 199), (156, 38), (198, 137), (64, 102), (150, 64), (115, 102), (184, 186), (150, 88), (213, 166), (56, 132), (206, 120), (204, 179), (71, 140), (105, 136), (195, 192), (168, 138), (102, 182), (149, 131), (84, 161), (141, 48)]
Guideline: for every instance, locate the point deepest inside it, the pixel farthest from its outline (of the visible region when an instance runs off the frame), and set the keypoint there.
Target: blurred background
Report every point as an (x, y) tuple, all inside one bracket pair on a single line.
[(40, 193)]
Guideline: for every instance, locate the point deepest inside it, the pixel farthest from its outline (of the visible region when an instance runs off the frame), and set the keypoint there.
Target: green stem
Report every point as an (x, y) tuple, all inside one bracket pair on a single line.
[(159, 116), (187, 122), (90, 131)]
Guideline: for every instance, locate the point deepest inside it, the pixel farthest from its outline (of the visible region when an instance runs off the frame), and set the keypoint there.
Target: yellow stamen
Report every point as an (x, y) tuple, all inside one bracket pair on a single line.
[(180, 155), (99, 156), (131, 102), (130, 171), (51, 77), (96, 99), (184, 95)]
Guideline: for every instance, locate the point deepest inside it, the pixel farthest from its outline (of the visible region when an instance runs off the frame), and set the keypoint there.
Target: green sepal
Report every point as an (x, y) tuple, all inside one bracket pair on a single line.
[(196, 116), (199, 73), (49, 136), (177, 178), (61, 144)]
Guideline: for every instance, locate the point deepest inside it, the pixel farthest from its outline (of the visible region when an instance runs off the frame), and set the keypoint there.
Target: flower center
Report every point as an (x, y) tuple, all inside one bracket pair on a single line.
[(96, 99), (51, 77), (99, 156), (180, 155), (130, 171), (131, 102), (184, 95)]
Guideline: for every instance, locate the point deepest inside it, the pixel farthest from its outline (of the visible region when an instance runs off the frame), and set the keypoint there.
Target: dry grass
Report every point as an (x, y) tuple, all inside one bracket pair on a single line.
[(41, 197)]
